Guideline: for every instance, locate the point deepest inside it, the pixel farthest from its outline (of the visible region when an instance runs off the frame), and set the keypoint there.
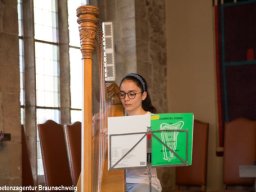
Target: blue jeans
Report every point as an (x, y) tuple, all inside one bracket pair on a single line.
[(139, 187)]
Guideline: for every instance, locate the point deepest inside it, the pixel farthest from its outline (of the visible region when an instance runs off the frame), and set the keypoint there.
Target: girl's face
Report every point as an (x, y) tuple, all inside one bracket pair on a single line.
[(132, 97)]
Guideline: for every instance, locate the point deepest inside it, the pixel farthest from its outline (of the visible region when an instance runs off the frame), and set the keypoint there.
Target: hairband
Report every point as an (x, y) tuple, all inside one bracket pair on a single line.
[(136, 76)]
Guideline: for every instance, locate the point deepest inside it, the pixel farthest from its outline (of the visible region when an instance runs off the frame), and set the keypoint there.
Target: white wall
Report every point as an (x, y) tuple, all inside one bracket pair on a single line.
[(191, 70)]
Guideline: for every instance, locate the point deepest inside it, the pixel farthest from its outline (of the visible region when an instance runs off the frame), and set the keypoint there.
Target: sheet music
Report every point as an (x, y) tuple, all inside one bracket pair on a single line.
[(172, 141), (125, 132)]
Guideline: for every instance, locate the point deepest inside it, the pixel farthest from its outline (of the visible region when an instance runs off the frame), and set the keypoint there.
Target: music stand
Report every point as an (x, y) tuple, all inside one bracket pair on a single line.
[(184, 158)]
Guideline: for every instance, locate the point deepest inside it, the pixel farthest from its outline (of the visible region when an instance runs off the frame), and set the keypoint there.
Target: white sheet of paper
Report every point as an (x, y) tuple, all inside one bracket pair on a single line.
[(129, 128)]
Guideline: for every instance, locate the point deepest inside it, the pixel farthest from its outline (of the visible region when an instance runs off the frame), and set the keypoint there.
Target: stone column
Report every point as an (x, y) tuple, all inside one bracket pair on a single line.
[(30, 84), (122, 14), (151, 48), (10, 151), (151, 62), (65, 100)]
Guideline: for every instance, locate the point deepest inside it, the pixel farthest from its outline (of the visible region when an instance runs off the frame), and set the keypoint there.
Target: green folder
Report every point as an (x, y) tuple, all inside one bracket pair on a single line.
[(172, 139)]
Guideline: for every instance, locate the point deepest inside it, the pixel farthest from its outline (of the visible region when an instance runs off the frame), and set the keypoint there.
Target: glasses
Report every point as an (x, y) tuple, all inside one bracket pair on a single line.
[(130, 94)]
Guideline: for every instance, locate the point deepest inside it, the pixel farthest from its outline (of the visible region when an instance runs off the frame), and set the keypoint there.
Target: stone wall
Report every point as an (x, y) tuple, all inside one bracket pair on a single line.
[(151, 48), (10, 151), (122, 14), (151, 62), (140, 42)]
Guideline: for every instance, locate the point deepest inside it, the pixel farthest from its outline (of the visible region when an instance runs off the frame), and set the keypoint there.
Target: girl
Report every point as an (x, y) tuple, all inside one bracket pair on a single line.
[(136, 101)]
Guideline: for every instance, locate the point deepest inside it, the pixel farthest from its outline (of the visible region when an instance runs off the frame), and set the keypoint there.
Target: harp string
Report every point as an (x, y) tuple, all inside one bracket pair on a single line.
[(101, 116)]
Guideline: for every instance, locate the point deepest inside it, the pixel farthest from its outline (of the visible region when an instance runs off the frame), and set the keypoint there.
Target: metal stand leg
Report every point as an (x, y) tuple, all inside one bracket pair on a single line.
[(149, 177)]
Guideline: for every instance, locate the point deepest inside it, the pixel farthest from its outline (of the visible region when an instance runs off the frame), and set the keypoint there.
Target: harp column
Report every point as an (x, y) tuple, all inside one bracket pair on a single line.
[(87, 20)]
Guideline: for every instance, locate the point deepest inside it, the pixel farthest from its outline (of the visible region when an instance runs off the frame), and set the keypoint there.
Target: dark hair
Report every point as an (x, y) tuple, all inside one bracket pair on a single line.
[(142, 84)]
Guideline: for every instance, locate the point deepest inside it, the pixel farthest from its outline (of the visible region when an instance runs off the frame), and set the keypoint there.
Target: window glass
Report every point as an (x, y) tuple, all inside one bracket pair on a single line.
[(45, 18), (76, 115), (47, 64), (45, 114), (76, 80), (74, 37), (47, 75)]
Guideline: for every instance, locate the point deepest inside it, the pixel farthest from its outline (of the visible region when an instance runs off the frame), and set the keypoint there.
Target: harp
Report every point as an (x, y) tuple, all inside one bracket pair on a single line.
[(95, 176)]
